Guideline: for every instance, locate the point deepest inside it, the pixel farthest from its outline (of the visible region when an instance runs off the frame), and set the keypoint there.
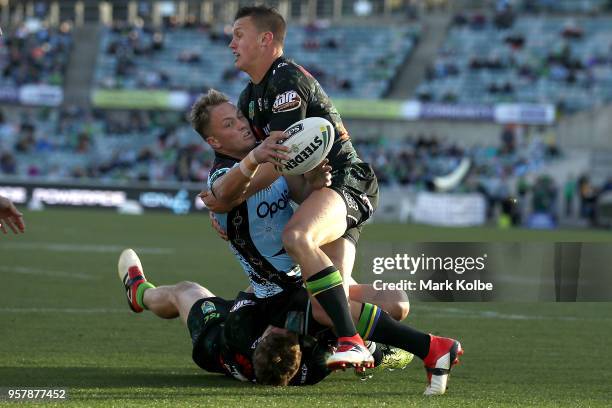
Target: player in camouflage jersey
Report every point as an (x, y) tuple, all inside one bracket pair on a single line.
[(226, 333), (326, 225)]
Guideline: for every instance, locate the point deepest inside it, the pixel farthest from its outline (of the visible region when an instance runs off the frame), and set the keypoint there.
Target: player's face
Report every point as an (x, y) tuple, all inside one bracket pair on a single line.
[(246, 44), (230, 131)]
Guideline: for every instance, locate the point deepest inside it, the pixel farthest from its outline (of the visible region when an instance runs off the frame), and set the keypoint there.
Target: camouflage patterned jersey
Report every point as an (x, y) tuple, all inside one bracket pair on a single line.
[(287, 94)]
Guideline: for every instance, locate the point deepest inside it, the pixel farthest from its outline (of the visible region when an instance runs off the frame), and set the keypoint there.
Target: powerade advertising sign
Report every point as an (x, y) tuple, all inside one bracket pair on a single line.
[(177, 201)]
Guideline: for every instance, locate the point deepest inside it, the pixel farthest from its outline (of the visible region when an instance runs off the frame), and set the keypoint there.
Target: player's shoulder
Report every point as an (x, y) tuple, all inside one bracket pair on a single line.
[(221, 165), (222, 162), (285, 69)]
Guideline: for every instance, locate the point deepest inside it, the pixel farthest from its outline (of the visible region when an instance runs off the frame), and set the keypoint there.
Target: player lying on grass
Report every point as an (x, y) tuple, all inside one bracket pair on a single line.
[(10, 217), (229, 348), (224, 332), (254, 229)]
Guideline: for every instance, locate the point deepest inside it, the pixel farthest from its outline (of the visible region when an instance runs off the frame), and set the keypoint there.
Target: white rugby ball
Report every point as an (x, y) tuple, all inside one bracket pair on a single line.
[(309, 141)]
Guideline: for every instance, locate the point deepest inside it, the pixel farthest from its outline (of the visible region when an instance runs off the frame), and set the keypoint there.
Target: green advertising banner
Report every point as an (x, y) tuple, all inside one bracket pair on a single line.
[(149, 99), (136, 99)]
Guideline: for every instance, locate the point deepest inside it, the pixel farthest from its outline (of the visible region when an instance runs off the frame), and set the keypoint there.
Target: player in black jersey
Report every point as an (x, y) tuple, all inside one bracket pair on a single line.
[(321, 234), (225, 333), (204, 314)]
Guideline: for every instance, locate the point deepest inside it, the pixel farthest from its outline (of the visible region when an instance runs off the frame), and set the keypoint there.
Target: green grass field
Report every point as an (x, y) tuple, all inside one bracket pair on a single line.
[(64, 323)]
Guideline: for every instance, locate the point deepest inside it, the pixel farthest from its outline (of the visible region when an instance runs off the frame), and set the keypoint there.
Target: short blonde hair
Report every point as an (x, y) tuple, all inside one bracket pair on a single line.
[(200, 111)]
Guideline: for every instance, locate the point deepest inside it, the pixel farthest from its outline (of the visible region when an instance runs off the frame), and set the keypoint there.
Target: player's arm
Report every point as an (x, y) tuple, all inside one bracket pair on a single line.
[(254, 173)]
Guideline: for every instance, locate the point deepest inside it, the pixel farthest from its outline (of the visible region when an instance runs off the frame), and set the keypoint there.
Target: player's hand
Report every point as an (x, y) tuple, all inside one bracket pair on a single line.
[(211, 202), (270, 150), (10, 216), (217, 227), (320, 176)]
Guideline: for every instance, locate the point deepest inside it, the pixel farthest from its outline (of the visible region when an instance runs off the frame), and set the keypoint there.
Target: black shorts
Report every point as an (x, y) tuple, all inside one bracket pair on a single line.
[(357, 185), (205, 327), (250, 316)]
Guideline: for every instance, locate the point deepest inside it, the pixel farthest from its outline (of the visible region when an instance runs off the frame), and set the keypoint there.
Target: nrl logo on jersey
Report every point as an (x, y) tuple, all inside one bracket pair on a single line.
[(251, 110), (208, 307), (286, 102)]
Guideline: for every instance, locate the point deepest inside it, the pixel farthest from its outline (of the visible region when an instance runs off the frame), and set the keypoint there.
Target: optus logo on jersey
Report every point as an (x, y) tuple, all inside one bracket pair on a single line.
[(265, 208)]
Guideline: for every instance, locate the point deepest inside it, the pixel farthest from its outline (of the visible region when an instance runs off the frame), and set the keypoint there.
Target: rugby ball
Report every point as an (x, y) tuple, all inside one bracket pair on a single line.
[(309, 141)]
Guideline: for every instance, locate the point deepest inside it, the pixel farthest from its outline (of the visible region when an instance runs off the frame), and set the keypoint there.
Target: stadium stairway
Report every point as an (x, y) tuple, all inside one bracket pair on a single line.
[(413, 71), (79, 77)]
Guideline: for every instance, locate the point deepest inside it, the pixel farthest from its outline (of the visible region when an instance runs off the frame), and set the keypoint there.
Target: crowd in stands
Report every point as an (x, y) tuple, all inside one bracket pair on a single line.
[(160, 146), (194, 56), (157, 148), (105, 146), (510, 57), (414, 160), (34, 54)]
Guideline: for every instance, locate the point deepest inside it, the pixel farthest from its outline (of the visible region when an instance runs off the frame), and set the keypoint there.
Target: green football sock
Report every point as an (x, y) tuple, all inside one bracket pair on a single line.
[(140, 293)]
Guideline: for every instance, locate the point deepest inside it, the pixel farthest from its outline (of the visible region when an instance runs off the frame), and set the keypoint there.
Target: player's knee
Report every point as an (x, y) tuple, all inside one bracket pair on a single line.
[(401, 310), (184, 286), (398, 310), (296, 241)]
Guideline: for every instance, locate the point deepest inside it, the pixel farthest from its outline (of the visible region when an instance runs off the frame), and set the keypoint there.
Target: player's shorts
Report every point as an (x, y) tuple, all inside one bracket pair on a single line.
[(204, 324), (357, 185), (250, 316)]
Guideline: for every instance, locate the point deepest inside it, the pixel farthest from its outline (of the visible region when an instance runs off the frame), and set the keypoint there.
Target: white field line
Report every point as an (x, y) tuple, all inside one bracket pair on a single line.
[(24, 270), (67, 247), (61, 310), (492, 314)]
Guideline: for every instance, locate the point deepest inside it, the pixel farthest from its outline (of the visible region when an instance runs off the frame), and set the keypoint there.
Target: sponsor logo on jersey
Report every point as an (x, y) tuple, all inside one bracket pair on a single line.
[(241, 303), (304, 154), (265, 208), (286, 102), (350, 201), (259, 104)]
